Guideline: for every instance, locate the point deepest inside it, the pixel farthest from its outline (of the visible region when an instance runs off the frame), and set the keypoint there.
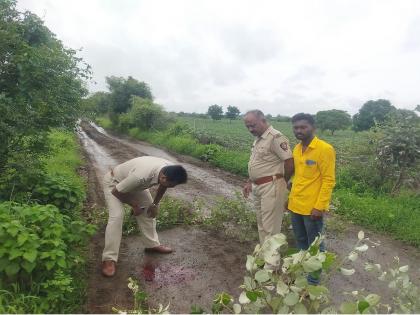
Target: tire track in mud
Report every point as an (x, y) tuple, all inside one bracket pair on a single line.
[(205, 263)]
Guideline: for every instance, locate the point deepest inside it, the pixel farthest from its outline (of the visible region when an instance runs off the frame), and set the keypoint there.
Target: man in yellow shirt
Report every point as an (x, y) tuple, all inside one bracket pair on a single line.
[(313, 181)]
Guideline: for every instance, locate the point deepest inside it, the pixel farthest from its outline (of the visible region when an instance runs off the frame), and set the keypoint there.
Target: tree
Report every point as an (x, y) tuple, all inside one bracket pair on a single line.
[(123, 89), (333, 120), (372, 112), (41, 85), (215, 112), (97, 103), (146, 115), (281, 118), (232, 112), (398, 149)]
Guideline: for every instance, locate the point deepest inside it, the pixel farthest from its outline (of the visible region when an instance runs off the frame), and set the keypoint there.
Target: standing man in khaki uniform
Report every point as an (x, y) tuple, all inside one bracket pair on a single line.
[(270, 168), (129, 183)]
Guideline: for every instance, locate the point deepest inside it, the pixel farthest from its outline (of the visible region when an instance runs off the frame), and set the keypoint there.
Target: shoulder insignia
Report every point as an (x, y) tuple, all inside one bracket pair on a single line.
[(284, 146), (277, 135)]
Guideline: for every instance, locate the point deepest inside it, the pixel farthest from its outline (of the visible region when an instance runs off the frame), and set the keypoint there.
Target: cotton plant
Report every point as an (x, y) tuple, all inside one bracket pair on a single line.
[(276, 282), (140, 302)]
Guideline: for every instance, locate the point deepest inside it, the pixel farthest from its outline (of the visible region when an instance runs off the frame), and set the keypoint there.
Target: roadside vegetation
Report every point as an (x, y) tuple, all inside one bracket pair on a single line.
[(43, 235)]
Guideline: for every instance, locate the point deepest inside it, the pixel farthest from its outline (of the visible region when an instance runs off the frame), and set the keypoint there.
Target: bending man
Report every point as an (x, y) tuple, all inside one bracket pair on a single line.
[(129, 183)]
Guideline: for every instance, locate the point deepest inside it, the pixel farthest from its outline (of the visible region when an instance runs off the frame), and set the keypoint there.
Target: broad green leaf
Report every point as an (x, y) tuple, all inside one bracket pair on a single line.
[(347, 272), (252, 295), (249, 283), (243, 299), (28, 266), (259, 262), (373, 299), (353, 256), (13, 230), (61, 262), (262, 275), (329, 260), (282, 288), (15, 252), (30, 255), (348, 308), (361, 235), (312, 264), (362, 248), (283, 310), (403, 268), (301, 281), (275, 303), (237, 308), (22, 238), (300, 309), (291, 299), (12, 268), (250, 260), (362, 305), (316, 290)]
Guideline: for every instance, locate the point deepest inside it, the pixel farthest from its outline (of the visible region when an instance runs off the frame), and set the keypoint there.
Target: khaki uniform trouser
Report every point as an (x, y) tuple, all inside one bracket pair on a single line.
[(113, 232), (269, 202)]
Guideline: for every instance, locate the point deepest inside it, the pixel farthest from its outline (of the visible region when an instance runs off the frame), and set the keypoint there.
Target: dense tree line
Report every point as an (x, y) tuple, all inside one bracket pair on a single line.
[(41, 86)]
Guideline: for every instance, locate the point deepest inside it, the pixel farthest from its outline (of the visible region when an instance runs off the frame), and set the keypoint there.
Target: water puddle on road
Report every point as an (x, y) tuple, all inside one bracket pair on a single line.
[(103, 161)]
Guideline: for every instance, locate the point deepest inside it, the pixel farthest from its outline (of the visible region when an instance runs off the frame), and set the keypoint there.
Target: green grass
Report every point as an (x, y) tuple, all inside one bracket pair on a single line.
[(64, 158), (398, 216), (62, 162)]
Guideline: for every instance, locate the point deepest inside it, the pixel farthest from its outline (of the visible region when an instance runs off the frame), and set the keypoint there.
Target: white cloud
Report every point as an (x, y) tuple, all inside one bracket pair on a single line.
[(280, 56)]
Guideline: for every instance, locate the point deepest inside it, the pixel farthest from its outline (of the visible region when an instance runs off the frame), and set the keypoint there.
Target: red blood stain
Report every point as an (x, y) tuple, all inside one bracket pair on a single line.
[(166, 274)]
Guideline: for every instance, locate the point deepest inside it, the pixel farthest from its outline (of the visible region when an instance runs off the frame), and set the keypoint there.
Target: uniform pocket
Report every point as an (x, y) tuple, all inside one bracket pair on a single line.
[(263, 153)]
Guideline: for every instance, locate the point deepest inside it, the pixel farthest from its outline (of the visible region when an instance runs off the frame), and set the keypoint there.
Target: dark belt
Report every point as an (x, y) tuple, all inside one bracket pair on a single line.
[(267, 179)]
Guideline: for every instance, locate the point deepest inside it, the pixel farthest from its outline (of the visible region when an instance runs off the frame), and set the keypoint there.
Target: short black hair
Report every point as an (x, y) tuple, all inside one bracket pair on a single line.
[(175, 173), (302, 116)]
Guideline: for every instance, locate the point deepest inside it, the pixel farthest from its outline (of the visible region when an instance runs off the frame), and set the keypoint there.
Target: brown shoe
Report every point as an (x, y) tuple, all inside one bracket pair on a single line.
[(108, 268), (161, 249)]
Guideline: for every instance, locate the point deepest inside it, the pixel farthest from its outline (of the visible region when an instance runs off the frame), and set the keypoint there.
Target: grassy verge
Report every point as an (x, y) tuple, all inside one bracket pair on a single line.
[(43, 262), (398, 216)]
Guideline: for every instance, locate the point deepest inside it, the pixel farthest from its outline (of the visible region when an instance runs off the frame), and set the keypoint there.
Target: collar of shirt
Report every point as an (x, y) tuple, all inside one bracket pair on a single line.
[(311, 145), (265, 134)]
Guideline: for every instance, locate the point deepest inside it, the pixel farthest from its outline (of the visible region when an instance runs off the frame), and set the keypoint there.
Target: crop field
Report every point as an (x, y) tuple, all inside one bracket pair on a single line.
[(234, 135)]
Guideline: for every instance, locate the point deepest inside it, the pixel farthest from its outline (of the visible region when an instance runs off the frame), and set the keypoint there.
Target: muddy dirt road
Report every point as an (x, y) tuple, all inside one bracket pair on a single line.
[(204, 263)]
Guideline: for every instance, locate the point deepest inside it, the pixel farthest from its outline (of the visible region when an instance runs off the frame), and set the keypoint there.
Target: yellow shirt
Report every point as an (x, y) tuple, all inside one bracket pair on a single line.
[(314, 177)]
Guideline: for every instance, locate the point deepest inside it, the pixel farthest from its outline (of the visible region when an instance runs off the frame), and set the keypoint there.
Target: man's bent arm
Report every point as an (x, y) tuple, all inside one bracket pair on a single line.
[(289, 169), (123, 197), (159, 194)]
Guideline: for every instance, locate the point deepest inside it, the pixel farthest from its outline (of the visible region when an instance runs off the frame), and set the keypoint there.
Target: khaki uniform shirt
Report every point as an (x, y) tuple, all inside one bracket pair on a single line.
[(138, 173), (268, 154)]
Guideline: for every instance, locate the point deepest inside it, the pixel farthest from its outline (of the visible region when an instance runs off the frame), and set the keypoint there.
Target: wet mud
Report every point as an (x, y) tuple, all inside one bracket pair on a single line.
[(204, 263)]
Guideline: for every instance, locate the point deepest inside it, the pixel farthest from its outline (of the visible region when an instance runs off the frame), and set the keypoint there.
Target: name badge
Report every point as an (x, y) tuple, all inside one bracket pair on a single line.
[(310, 162)]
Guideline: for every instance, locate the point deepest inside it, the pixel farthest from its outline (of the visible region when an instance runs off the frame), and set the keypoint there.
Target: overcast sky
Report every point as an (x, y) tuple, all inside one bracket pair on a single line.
[(282, 57)]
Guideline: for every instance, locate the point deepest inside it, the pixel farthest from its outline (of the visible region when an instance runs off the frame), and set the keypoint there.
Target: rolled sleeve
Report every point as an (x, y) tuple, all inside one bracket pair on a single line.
[(327, 170)]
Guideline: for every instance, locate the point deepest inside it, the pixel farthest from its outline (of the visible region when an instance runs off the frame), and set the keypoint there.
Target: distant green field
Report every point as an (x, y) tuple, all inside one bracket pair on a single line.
[(235, 136)]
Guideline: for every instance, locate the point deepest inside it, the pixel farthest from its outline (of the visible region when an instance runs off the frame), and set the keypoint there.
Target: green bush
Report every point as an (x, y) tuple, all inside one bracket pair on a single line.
[(59, 191), (40, 248)]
